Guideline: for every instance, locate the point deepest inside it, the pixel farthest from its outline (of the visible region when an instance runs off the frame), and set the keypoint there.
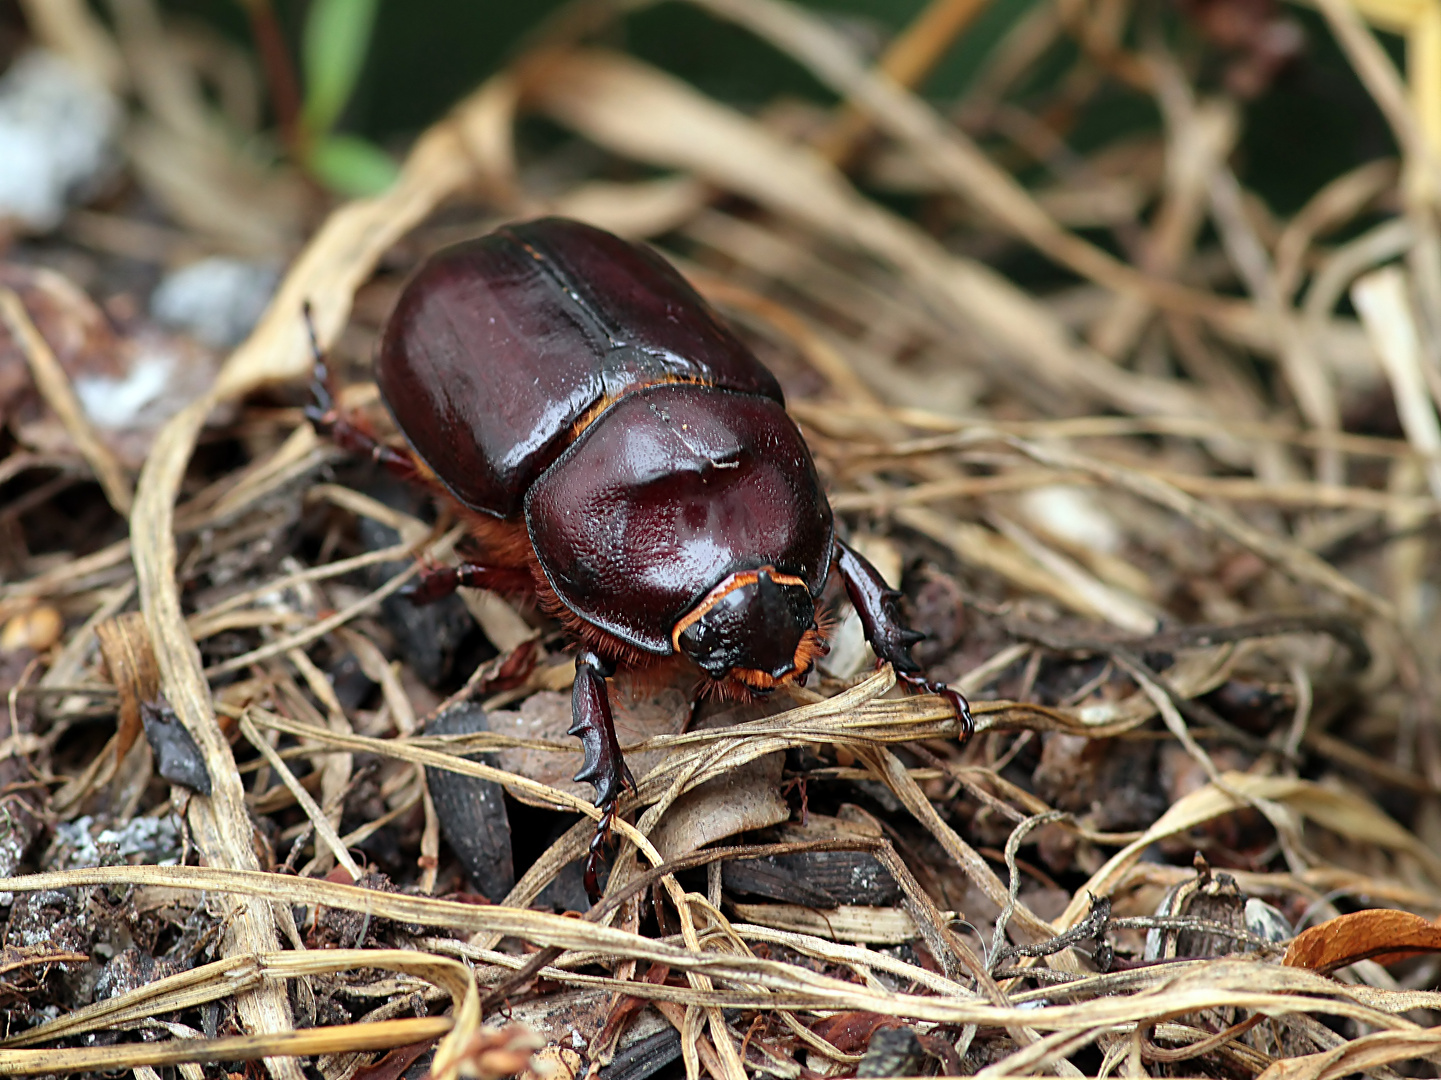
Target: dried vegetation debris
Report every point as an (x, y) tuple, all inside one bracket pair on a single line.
[(1170, 525)]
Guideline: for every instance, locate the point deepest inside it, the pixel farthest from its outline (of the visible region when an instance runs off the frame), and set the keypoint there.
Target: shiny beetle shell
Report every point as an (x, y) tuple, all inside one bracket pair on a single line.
[(499, 346), (624, 458), (555, 371)]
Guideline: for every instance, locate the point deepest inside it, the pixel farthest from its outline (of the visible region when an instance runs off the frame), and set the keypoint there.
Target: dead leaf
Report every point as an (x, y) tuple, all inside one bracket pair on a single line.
[(850, 1032), (130, 659), (745, 798), (1379, 934), (394, 1064)]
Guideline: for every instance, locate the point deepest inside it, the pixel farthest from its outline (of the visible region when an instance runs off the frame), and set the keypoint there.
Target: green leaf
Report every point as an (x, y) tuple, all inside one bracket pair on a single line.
[(337, 36), (350, 165)]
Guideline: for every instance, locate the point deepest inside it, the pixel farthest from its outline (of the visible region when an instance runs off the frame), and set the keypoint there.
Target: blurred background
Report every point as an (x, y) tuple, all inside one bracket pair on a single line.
[(1307, 116), (380, 70)]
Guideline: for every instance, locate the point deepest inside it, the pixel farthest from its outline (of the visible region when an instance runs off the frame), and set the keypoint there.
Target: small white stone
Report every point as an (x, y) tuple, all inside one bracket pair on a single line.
[(57, 134), (217, 301), (118, 403), (850, 652), (1073, 514), (1267, 921)]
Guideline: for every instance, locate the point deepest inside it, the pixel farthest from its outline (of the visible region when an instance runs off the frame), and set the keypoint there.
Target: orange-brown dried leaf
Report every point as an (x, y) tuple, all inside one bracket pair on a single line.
[(393, 1065), (1379, 934), (130, 660), (851, 1032)]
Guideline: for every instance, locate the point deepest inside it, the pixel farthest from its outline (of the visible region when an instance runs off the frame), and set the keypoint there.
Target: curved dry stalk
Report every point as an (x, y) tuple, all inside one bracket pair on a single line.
[(325, 276)]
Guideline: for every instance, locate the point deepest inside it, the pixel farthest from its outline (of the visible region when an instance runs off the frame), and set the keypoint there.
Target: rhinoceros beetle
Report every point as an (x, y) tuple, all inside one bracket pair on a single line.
[(618, 453)]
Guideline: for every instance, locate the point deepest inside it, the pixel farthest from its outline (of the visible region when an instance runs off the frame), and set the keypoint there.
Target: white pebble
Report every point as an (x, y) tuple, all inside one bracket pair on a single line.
[(118, 403), (217, 300), (57, 134), (1073, 514)]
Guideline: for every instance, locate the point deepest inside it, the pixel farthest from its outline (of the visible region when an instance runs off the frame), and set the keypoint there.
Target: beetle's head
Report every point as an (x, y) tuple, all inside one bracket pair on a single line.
[(757, 627)]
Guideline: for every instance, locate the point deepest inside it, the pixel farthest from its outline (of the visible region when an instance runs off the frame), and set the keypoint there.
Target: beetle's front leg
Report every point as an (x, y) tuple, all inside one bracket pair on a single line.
[(604, 765), (345, 432), (875, 603)]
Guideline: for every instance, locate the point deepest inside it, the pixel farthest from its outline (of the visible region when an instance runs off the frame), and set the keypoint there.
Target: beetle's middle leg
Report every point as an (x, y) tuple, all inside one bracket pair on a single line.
[(437, 582), (875, 603), (604, 765)]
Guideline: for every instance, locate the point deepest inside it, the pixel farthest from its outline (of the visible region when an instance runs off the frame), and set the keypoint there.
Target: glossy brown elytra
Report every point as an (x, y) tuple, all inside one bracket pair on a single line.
[(617, 452)]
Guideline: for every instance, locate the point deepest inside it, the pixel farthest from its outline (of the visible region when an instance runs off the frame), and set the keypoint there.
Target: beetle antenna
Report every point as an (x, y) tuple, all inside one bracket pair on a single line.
[(324, 403)]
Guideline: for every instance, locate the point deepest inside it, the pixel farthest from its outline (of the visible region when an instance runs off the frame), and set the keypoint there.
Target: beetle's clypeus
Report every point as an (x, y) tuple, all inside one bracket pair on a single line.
[(620, 454)]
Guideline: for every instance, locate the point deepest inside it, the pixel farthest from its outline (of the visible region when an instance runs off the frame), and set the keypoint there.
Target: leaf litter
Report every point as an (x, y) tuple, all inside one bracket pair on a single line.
[(1170, 525)]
